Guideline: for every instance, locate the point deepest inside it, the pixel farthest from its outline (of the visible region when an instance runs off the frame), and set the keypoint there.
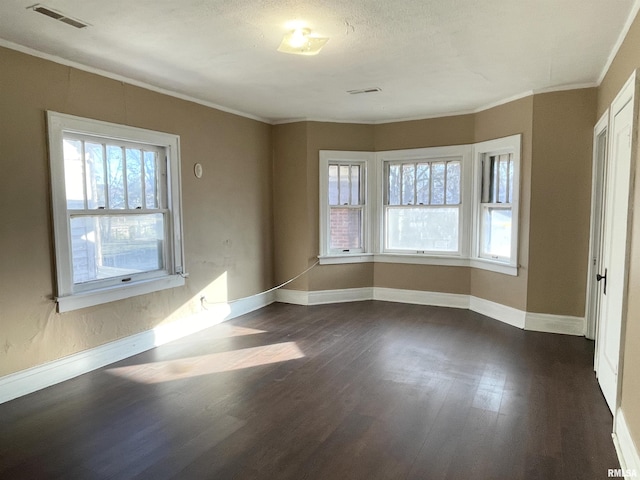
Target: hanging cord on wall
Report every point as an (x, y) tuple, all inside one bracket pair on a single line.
[(203, 299)]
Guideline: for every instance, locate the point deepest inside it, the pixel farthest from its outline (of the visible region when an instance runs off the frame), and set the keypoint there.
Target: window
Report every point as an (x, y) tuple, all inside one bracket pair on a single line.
[(495, 206), (346, 207), (451, 205), (422, 206), (116, 211), (344, 229), (497, 191)]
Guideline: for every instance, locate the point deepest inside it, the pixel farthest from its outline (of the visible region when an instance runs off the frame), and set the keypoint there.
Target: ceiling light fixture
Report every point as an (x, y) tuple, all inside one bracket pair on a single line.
[(301, 42)]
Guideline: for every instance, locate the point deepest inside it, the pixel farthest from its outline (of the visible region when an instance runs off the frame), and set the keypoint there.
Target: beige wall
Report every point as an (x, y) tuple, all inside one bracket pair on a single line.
[(510, 119), (625, 62), (296, 183), (561, 201), (227, 213), (432, 132), (290, 223), (563, 142)]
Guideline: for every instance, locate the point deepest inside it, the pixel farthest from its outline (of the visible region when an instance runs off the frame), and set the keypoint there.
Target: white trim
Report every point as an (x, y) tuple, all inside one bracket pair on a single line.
[(321, 297), (42, 376), (595, 227), (461, 153), (625, 447), (513, 145), (295, 297), (543, 322), (509, 315), (340, 259), (539, 322), (416, 259), (498, 267), (205, 103), (471, 111), (421, 259), (623, 34), (106, 295), (365, 160), (122, 78), (70, 295), (418, 297)]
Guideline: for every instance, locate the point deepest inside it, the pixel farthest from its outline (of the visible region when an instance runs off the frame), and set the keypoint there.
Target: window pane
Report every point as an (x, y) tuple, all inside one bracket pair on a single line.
[(496, 232), (94, 155), (503, 177), (110, 246), (437, 186), (408, 186), (345, 228), (115, 177), (394, 185), (453, 183), (333, 185), (344, 184), (355, 185), (423, 181), (510, 186), (423, 228), (134, 178), (151, 179), (73, 174)]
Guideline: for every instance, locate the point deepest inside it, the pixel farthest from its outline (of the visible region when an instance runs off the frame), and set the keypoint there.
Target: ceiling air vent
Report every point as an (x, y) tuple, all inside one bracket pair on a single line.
[(364, 90), (49, 12)]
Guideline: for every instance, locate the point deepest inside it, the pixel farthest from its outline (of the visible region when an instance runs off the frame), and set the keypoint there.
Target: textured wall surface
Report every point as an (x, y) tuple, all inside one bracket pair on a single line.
[(227, 214)]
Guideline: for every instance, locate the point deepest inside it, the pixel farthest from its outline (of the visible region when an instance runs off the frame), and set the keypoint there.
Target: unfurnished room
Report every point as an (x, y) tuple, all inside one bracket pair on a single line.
[(319, 240)]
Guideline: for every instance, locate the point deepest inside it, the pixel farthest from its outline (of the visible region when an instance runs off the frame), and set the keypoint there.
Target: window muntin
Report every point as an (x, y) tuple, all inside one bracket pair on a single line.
[(346, 207), (422, 206), (116, 210)]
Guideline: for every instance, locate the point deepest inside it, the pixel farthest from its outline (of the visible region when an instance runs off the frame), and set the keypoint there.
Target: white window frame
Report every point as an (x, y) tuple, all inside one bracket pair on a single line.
[(460, 153), (71, 297), (506, 145), (365, 161)]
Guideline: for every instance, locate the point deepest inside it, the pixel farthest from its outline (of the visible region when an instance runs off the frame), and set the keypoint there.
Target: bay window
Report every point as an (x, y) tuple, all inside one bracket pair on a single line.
[(451, 205)]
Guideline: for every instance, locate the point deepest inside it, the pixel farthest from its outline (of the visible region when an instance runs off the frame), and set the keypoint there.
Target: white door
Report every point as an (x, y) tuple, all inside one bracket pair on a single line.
[(613, 267)]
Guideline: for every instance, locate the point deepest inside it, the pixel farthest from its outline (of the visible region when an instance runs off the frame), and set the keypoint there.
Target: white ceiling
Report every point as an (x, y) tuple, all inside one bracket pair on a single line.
[(429, 57)]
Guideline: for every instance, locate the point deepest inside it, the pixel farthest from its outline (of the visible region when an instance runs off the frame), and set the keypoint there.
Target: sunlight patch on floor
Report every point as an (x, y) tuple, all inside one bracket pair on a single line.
[(183, 368)]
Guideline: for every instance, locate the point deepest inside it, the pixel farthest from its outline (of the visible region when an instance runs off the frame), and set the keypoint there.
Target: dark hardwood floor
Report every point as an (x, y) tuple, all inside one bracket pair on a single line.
[(366, 390)]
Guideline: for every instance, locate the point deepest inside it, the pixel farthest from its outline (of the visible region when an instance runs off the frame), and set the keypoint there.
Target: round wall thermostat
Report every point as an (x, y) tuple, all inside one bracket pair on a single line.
[(197, 170)]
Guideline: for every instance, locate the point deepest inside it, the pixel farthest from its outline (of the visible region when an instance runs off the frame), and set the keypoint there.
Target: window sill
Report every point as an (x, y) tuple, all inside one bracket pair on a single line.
[(106, 295), (411, 259), (340, 259)]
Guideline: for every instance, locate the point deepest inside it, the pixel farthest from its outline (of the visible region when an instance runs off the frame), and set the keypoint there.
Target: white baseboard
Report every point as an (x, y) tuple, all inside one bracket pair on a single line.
[(539, 322), (543, 322), (42, 376), (505, 314), (626, 449), (36, 378), (321, 297), (418, 297), (296, 297)]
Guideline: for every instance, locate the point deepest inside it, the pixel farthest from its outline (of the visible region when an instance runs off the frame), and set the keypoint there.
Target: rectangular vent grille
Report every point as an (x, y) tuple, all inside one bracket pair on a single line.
[(49, 12), (364, 90)]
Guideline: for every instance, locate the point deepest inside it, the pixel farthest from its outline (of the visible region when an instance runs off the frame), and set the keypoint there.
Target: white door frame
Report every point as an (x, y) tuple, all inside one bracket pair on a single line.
[(629, 92), (598, 178)]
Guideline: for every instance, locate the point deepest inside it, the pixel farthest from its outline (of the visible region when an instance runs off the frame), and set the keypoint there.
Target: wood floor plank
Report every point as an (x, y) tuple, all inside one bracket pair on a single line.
[(364, 390)]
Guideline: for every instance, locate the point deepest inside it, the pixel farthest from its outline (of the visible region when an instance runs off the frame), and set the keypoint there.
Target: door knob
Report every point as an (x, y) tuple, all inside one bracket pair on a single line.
[(603, 277)]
